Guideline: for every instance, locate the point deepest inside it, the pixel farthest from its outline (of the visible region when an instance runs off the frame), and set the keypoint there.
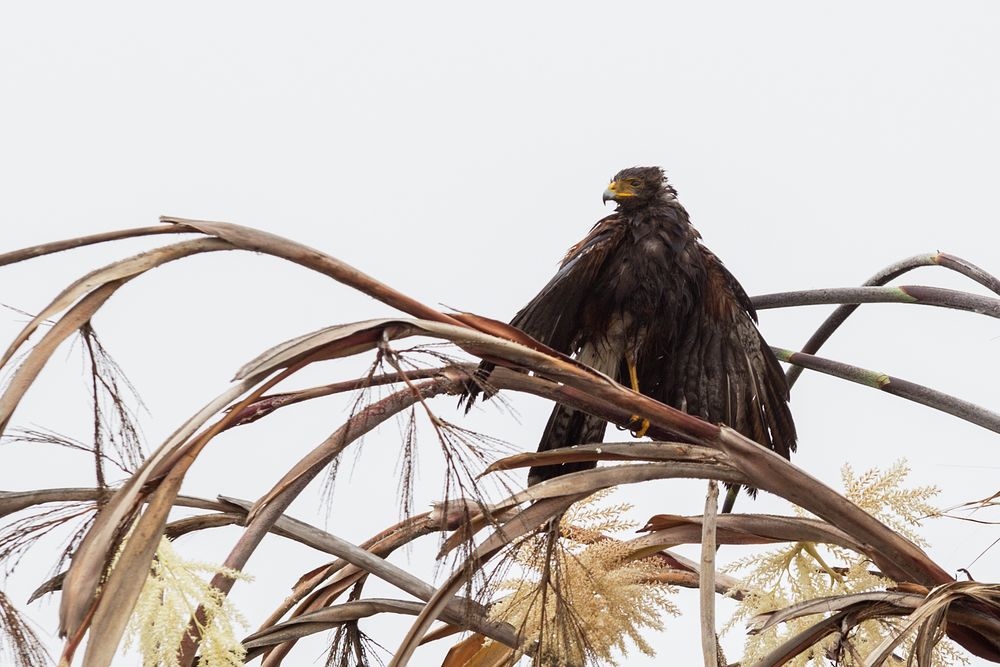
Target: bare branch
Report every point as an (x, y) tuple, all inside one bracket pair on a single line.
[(889, 273), (916, 294), (81, 241), (911, 391), (706, 578)]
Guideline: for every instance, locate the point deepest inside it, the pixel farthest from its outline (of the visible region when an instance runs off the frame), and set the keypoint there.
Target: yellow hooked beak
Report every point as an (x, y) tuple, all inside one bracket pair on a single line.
[(617, 190)]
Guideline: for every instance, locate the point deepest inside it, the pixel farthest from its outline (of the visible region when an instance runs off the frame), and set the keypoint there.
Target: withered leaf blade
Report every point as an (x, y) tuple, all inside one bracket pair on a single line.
[(669, 529), (762, 622), (474, 652), (327, 618), (611, 451)]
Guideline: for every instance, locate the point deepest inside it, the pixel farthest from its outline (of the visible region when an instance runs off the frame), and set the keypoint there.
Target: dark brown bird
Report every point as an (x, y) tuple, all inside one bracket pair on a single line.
[(643, 301)]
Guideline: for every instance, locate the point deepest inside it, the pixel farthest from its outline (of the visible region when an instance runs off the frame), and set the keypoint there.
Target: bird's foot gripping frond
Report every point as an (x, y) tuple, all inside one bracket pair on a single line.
[(638, 426)]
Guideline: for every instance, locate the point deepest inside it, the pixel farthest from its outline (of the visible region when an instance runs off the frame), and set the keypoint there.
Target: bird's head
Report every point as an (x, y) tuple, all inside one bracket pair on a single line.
[(637, 186)]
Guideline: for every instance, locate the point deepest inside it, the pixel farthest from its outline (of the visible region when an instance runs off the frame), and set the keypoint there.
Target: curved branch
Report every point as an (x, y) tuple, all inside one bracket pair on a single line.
[(268, 403), (257, 240), (911, 391), (840, 315), (917, 294), (69, 244), (15, 501), (324, 619), (667, 530)]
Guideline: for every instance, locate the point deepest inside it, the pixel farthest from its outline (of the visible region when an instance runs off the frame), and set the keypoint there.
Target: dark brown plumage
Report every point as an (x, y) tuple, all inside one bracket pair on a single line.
[(641, 287)]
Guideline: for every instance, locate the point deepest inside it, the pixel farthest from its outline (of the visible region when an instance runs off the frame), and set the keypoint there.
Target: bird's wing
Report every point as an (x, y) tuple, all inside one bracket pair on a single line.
[(552, 316), (723, 370)]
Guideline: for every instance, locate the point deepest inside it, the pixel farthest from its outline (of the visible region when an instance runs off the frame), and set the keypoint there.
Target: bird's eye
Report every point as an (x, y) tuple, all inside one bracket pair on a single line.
[(635, 183)]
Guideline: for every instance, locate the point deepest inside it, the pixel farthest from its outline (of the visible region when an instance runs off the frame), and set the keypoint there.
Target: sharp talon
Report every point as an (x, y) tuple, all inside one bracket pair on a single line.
[(638, 429)]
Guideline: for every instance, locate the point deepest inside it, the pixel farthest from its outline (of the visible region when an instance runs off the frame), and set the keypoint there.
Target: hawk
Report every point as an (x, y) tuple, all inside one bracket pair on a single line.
[(642, 300)]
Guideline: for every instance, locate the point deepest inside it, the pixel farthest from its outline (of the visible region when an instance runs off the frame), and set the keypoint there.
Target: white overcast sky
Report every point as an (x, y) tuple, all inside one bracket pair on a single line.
[(455, 150)]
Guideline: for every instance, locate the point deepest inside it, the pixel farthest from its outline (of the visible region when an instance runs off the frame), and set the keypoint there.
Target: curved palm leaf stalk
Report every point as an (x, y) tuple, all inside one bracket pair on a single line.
[(911, 391), (92, 239), (247, 238), (268, 403), (841, 622), (920, 295), (323, 619), (15, 501), (889, 273)]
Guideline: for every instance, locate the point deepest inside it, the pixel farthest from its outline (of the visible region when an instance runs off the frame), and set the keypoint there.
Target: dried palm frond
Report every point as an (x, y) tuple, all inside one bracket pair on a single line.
[(19, 644), (869, 547)]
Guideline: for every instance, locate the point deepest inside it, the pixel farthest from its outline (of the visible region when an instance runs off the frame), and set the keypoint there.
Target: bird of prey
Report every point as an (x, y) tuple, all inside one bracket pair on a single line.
[(642, 300)]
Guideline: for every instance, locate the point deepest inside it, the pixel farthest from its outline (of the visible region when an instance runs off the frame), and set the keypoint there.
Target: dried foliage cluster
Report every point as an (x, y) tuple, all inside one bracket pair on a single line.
[(579, 595), (803, 572), (543, 574)]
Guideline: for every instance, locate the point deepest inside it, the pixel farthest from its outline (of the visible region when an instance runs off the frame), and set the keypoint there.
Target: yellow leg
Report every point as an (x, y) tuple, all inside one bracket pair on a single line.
[(643, 424)]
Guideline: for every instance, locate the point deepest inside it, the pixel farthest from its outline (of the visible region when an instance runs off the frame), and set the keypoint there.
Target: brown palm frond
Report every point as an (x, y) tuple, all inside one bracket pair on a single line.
[(98, 600)]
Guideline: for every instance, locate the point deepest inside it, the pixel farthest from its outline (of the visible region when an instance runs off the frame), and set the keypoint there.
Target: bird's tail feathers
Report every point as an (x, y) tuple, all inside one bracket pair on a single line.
[(476, 384), (567, 427)]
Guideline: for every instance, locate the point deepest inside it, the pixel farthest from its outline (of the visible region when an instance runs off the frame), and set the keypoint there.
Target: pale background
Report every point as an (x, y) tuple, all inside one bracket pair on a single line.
[(455, 151)]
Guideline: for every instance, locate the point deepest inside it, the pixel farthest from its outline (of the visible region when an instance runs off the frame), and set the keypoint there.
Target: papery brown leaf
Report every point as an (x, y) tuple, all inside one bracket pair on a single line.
[(461, 653), (440, 632), (611, 451), (473, 652), (588, 481), (762, 622), (120, 592), (671, 529), (324, 619), (909, 587)]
